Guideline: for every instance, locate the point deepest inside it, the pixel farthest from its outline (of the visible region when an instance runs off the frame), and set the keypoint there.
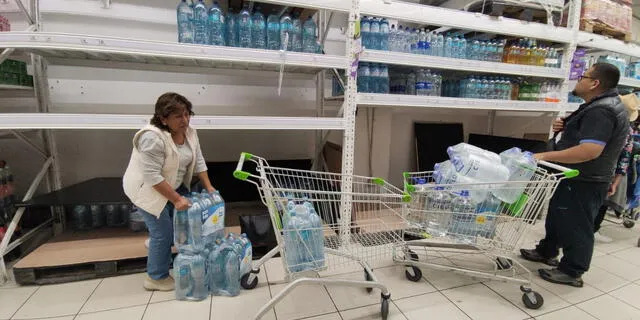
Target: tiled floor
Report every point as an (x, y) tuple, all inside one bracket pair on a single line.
[(611, 292)]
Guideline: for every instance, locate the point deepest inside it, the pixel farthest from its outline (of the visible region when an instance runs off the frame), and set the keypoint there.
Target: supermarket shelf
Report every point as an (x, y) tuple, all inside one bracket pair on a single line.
[(13, 87), (119, 121), (425, 61), (590, 40), (85, 47), (397, 100), (629, 82), (572, 106)]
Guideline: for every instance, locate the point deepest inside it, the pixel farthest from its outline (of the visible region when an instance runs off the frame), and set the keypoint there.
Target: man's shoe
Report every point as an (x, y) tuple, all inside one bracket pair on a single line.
[(166, 284), (556, 276), (533, 255)]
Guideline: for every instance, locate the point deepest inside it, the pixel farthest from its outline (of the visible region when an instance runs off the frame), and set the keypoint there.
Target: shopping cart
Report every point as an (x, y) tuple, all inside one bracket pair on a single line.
[(444, 239), (360, 228)]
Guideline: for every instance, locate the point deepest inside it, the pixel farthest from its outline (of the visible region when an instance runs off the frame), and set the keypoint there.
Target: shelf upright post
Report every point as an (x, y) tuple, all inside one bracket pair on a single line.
[(349, 114), (318, 134)]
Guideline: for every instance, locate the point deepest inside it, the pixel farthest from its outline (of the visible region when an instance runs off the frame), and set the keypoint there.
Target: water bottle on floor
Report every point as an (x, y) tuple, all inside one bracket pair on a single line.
[(438, 207), (99, 219), (113, 215), (185, 22), (247, 254), (244, 28), (232, 30), (200, 17), (309, 36), (182, 276), (81, 217), (463, 208), (216, 25), (286, 30), (223, 265), (232, 274), (259, 30), (296, 41), (273, 32)]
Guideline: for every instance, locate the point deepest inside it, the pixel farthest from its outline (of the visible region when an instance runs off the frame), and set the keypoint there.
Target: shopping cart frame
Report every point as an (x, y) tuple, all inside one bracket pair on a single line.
[(504, 267), (269, 197)]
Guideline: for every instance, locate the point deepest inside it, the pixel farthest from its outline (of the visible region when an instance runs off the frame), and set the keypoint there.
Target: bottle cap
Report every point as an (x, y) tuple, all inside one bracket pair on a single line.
[(464, 193)]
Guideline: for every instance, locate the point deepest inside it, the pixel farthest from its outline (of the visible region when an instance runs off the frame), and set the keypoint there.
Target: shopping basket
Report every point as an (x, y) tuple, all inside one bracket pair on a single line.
[(360, 227), (444, 239)]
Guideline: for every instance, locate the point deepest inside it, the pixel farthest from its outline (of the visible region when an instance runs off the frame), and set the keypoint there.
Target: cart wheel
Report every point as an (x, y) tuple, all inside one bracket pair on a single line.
[(413, 256), (503, 263), (367, 277), (532, 300), (384, 308), (244, 281), (628, 223), (415, 275)]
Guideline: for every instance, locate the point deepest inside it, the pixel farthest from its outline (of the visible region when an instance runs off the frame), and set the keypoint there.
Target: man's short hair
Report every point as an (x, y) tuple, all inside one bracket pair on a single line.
[(608, 74)]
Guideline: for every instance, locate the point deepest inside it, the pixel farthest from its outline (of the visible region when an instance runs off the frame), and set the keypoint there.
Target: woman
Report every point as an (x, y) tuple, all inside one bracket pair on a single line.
[(618, 191), (165, 156)]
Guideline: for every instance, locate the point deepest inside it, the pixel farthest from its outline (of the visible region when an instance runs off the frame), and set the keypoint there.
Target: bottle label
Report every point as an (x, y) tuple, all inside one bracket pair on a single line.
[(421, 85), (550, 61), (213, 219), (247, 257)]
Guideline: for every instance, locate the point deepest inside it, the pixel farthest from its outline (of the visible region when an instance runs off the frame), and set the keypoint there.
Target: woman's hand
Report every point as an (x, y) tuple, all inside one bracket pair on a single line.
[(182, 204)]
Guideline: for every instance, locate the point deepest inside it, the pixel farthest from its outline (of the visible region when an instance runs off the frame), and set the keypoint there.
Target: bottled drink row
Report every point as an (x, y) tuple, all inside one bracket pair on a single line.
[(87, 217), (200, 24), (378, 35)]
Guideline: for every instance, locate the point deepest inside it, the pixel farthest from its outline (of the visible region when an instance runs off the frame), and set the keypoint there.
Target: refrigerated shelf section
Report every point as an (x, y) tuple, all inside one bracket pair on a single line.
[(120, 121), (396, 100), (85, 47)]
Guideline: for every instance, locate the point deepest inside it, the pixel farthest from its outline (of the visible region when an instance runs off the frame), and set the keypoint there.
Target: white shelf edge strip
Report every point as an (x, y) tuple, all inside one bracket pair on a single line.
[(14, 87), (115, 121), (393, 100), (629, 82), (590, 40), (84, 43), (417, 60)]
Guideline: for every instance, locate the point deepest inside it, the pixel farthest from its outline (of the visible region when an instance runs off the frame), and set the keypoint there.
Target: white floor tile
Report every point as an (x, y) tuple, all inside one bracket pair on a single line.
[(331, 316), (628, 294), (118, 292), (303, 301), (446, 279), (511, 291), (617, 266), (11, 299), (132, 313), (567, 314), (392, 277), (570, 294), (57, 300), (630, 255), (274, 270), (171, 310), (609, 308), (244, 306), (372, 312), (480, 303), (435, 305), (602, 279)]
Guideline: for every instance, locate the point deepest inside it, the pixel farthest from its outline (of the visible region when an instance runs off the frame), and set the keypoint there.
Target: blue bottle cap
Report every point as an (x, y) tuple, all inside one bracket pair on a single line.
[(464, 193)]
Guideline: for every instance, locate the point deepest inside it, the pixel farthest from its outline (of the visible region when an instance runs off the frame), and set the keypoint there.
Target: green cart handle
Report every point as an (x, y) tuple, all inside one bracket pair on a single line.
[(568, 173), (239, 173)]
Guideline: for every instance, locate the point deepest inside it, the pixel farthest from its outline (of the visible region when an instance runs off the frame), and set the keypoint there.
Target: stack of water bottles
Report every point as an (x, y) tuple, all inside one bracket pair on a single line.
[(373, 78), (200, 24), (477, 87), (421, 82), (527, 51), (303, 237), (457, 208), (207, 262)]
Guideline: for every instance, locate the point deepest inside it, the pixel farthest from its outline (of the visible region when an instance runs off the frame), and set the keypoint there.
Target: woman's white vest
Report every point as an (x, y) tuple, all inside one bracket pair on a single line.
[(142, 194)]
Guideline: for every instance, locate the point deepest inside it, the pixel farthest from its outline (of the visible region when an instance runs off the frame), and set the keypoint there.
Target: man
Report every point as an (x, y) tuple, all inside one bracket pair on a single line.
[(592, 138)]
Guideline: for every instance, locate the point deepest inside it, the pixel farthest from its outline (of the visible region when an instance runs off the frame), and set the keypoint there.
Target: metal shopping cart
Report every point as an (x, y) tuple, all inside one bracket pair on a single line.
[(445, 239), (359, 228)]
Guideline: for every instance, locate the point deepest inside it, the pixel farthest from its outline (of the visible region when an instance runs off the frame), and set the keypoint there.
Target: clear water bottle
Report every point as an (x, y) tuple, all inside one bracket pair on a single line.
[(244, 28), (463, 209), (232, 30), (292, 242), (375, 34), (365, 32), (273, 32), (309, 38), (480, 168), (421, 83), (374, 80), (259, 30), (383, 79), (317, 236), (486, 216), (462, 48), (422, 42), (437, 84), (112, 215), (223, 265), (81, 217), (296, 41), (414, 39), (98, 218), (181, 230), (216, 25), (194, 217), (393, 39), (500, 49), (247, 254), (185, 22), (411, 84), (384, 35), (200, 17), (429, 83), (522, 166), (448, 46), (474, 51), (438, 207), (364, 77), (184, 283), (286, 31), (455, 46)]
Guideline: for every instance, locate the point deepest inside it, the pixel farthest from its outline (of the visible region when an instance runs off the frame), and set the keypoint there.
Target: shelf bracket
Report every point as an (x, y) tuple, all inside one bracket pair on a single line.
[(20, 136), (5, 54)]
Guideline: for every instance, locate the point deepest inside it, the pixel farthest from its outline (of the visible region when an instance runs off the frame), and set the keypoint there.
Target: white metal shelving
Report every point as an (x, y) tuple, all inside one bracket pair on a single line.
[(595, 41), (630, 82)]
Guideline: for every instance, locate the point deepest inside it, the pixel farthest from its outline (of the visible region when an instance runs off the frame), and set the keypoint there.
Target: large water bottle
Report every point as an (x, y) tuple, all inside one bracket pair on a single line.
[(213, 214), (430, 79), (474, 51), (411, 84), (259, 30), (232, 30), (441, 44), (463, 149), (374, 80), (463, 209), (244, 28), (365, 32), (194, 215), (438, 207), (422, 42), (181, 229), (296, 41), (448, 46), (462, 48), (383, 79), (486, 216), (414, 38), (364, 77), (522, 166), (317, 235), (393, 38), (223, 265), (480, 168), (113, 215), (98, 217), (200, 17), (384, 34), (81, 217), (286, 30), (445, 173), (375, 34), (216, 25), (437, 84), (309, 38), (421, 83), (293, 256), (273, 32), (185, 22), (247, 254), (190, 280), (455, 46)]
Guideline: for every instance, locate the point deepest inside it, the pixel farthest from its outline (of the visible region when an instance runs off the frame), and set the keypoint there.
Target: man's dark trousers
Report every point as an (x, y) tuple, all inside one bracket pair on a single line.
[(569, 224)]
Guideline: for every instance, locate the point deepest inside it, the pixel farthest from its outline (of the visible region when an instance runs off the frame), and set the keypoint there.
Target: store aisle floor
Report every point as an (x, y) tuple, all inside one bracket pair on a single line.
[(611, 291)]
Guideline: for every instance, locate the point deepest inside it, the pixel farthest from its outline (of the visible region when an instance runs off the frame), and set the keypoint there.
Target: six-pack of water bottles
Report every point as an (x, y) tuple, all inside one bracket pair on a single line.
[(207, 261), (303, 237), (200, 24), (460, 205)]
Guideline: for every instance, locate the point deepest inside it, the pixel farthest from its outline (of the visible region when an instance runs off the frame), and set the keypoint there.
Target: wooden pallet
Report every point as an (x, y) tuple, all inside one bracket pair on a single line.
[(605, 30)]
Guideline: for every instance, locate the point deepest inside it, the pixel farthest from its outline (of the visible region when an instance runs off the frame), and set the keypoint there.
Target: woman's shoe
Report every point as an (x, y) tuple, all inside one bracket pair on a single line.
[(166, 284)]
